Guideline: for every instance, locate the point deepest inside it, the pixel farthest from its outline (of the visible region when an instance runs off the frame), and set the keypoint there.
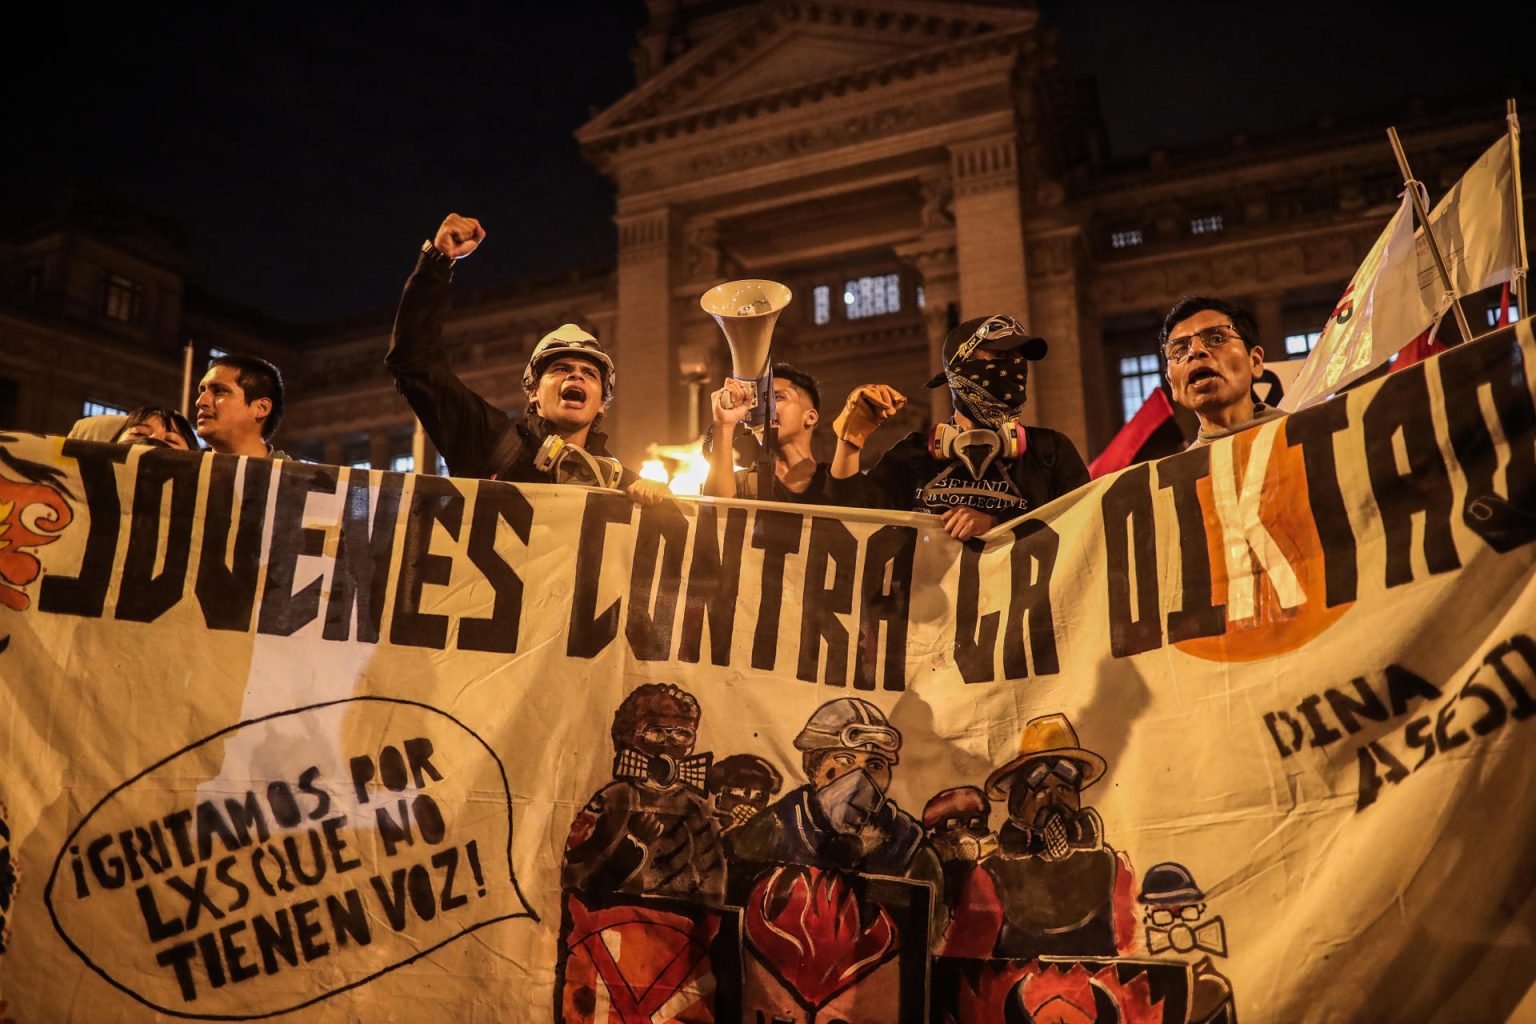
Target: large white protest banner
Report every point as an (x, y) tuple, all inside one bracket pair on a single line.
[(1242, 734)]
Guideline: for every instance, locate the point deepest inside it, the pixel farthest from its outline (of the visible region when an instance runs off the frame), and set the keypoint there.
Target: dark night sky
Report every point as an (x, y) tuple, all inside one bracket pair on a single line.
[(308, 148)]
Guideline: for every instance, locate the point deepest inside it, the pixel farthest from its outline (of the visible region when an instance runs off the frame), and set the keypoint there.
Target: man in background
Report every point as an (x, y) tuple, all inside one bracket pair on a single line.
[(239, 406)]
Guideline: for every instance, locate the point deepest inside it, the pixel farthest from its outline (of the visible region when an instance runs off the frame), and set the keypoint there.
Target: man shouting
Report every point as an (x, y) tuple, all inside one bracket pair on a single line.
[(568, 382)]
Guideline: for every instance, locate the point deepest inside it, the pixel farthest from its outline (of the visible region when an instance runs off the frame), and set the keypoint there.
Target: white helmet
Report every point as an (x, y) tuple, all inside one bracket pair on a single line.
[(568, 338), (849, 723)]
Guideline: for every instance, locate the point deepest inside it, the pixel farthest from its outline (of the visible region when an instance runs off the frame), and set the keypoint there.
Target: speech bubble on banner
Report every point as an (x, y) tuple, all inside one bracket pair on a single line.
[(289, 858)]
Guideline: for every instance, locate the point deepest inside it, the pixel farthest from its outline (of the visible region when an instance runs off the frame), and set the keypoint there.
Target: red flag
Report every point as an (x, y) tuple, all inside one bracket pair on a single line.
[(1126, 447), (1418, 350)]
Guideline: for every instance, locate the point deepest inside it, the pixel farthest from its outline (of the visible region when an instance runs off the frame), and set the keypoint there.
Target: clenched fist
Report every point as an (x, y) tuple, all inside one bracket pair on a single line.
[(868, 406), (457, 236)]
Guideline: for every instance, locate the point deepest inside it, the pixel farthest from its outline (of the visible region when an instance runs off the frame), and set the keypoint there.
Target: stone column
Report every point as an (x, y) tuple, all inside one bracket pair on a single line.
[(989, 236), (1266, 310), (380, 449), (1066, 389), (933, 256), (647, 403)]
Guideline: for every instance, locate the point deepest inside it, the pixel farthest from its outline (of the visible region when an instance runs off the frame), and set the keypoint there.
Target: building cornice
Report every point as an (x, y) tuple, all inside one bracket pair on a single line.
[(601, 141)]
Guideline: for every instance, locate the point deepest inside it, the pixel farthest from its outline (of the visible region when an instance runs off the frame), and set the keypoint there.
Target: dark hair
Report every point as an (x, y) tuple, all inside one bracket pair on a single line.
[(643, 701), (800, 379), (170, 417), (257, 379), (742, 767), (1247, 327)]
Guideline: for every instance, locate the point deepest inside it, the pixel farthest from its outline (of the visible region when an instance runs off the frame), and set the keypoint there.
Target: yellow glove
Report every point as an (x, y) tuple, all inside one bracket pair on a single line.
[(868, 406)]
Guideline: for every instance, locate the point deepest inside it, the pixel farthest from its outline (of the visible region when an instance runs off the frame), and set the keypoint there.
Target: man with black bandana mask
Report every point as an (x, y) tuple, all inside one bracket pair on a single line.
[(982, 467)]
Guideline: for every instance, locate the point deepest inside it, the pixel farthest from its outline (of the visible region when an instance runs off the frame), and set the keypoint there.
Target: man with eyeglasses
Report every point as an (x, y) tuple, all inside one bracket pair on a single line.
[(1213, 357), (568, 382)]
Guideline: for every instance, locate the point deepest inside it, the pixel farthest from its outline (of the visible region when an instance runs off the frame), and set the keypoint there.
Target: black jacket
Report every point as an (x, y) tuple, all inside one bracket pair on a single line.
[(475, 438), (906, 478)]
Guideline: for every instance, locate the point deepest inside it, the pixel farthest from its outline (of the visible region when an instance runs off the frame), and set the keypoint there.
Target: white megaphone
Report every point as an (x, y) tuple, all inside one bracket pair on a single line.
[(746, 311)]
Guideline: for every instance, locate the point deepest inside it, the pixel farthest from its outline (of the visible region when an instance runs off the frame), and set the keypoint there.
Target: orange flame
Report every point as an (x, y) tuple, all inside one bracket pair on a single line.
[(17, 567), (815, 939), (1058, 993)]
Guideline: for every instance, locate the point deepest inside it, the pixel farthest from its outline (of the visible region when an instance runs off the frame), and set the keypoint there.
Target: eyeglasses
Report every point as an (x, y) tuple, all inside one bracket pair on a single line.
[(1163, 918), (1066, 770), (1177, 350), (679, 734)]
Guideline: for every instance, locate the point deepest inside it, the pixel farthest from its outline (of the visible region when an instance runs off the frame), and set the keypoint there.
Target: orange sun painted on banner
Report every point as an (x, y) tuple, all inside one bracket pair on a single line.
[(1267, 560), (20, 528)]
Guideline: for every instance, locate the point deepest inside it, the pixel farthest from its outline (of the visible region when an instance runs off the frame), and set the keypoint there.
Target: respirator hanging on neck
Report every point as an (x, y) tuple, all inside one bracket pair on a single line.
[(572, 464), (978, 448)]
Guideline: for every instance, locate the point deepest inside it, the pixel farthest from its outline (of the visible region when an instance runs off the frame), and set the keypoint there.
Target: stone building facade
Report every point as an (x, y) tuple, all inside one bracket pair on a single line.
[(900, 165)]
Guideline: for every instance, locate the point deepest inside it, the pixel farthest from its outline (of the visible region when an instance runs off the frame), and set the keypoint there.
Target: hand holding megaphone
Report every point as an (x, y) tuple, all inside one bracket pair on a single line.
[(868, 406), (731, 404)]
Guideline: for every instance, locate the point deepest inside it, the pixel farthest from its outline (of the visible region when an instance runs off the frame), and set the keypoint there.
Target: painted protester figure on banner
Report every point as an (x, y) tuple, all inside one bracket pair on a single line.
[(982, 467), (841, 818), (956, 821), (650, 830), (1063, 891), (1214, 358), (740, 787), (1173, 909)]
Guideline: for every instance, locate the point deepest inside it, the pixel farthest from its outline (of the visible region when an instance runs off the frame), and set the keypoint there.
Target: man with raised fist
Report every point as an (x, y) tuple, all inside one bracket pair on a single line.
[(568, 381), (981, 467)]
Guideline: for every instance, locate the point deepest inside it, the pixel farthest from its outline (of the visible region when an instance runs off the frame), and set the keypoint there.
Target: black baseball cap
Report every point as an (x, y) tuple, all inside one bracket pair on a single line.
[(998, 333)]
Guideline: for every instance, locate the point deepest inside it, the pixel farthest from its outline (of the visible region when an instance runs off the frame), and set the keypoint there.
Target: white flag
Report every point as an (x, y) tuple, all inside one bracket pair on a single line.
[(1378, 313), (1397, 292), (1476, 227)]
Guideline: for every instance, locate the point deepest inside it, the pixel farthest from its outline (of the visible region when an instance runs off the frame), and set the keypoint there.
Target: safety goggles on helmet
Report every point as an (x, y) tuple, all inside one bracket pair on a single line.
[(1064, 768), (992, 331), (882, 737)]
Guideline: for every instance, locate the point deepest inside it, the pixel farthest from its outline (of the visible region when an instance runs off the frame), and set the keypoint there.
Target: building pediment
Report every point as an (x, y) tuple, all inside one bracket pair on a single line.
[(772, 52)]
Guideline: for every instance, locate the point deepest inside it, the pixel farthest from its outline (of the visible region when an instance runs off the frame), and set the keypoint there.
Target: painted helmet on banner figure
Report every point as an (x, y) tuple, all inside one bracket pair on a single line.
[(849, 723)]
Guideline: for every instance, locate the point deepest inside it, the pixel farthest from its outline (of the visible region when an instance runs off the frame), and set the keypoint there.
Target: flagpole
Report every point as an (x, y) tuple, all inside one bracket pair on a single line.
[(1512, 119), (1429, 236)]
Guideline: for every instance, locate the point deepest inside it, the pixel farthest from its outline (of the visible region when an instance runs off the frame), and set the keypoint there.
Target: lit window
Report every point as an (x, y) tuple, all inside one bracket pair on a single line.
[(1495, 313), (1206, 225), (442, 466), (120, 298), (403, 464), (1139, 377), (872, 296), (922, 300), (1301, 344), (216, 353), (102, 409), (1126, 239), (821, 299)]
